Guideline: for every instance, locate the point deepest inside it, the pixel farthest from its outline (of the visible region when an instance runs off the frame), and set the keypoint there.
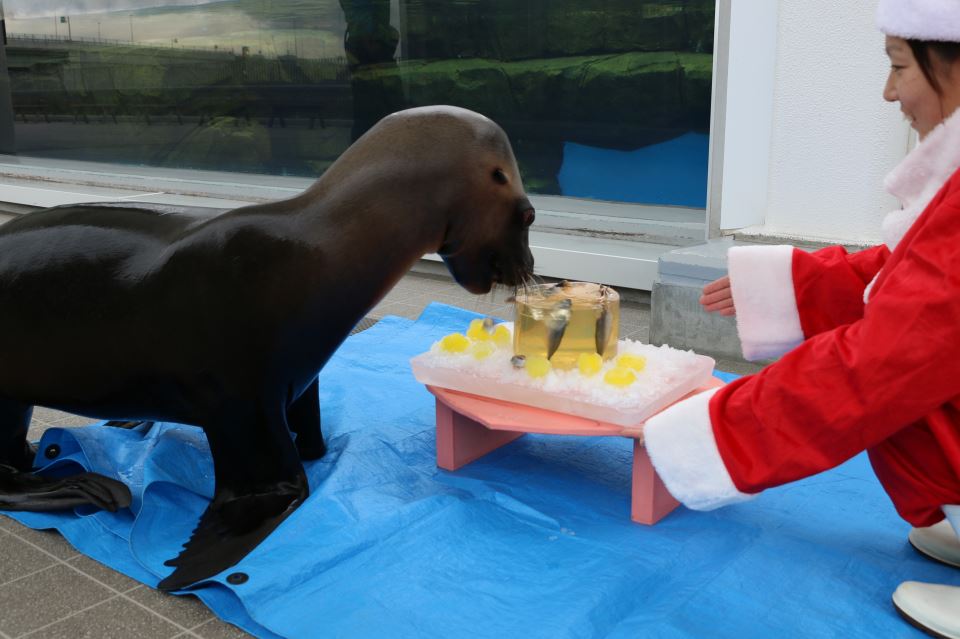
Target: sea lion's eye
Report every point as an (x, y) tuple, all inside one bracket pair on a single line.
[(499, 176)]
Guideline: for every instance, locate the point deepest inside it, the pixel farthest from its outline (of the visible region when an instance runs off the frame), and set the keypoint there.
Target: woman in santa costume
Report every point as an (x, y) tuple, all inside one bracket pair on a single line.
[(870, 341)]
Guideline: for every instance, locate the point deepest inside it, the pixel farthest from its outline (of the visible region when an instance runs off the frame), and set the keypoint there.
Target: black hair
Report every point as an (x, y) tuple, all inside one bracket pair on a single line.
[(947, 52)]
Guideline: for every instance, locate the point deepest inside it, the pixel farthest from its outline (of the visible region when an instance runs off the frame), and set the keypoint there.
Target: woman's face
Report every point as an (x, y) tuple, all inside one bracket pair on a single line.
[(919, 102)]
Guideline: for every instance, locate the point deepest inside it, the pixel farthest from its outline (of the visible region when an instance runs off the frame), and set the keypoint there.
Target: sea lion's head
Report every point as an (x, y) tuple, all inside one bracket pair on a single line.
[(486, 240), (487, 237), (455, 168)]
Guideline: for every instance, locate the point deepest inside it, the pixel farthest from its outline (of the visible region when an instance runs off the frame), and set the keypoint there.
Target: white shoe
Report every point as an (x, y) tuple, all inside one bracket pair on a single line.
[(938, 542), (933, 608)]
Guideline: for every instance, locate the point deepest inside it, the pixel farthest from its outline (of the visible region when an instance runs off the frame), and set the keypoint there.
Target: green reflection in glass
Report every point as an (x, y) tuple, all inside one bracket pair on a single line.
[(284, 87)]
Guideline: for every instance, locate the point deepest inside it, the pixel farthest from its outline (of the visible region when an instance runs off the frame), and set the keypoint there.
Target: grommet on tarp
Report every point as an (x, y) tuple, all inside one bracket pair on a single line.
[(237, 578), (51, 451)]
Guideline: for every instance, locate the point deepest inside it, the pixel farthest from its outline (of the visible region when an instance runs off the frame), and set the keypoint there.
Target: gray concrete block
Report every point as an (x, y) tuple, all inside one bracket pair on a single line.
[(677, 319)]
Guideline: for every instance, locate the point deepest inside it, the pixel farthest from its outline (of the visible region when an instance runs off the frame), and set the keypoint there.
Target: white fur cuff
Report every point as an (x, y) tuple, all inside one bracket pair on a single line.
[(761, 278), (684, 453)]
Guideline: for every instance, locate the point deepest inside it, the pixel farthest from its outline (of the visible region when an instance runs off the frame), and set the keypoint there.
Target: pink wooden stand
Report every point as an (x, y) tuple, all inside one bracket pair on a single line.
[(469, 427)]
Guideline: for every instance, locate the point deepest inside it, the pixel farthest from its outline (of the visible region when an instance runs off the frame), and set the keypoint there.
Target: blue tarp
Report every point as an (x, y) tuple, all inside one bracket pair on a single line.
[(533, 540)]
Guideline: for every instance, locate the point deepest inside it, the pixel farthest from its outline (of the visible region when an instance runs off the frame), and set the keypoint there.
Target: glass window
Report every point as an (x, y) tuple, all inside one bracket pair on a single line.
[(602, 99)]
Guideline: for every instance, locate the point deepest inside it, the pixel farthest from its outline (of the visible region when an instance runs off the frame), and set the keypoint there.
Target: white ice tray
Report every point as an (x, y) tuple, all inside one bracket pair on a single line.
[(657, 387)]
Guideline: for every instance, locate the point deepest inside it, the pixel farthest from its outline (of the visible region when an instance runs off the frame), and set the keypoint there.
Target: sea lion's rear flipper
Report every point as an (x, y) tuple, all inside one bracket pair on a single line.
[(26, 491), (259, 482)]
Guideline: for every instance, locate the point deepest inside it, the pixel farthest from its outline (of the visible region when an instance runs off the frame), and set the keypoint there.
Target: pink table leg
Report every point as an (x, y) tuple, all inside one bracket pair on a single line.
[(650, 501), (461, 440)]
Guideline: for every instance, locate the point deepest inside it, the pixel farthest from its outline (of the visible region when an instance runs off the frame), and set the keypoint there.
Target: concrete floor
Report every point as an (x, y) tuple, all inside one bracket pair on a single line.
[(49, 591)]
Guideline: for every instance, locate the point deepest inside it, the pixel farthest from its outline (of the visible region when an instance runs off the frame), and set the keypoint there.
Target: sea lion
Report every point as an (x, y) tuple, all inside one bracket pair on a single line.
[(224, 321)]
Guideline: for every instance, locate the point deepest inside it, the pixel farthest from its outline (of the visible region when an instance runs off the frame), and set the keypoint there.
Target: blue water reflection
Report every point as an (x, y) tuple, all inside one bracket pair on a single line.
[(670, 173)]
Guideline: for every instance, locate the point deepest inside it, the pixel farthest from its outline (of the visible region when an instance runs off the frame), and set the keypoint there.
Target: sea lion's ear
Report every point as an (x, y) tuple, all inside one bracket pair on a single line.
[(499, 176)]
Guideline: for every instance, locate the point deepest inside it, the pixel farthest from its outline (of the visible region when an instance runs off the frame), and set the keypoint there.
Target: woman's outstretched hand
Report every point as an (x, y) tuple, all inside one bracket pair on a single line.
[(718, 298)]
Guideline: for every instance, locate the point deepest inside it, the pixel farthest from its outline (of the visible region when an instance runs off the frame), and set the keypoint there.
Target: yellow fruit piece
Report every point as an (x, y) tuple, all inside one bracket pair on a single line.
[(633, 362), (589, 363), (537, 366), (477, 332), (502, 336), (482, 350), (454, 343), (620, 377)]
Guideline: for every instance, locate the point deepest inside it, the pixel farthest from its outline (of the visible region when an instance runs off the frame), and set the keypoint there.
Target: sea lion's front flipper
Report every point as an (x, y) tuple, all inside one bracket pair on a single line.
[(259, 482), (15, 450), (303, 418), (26, 491)]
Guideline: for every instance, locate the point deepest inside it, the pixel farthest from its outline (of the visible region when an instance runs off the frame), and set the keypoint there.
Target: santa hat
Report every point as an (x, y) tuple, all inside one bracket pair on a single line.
[(920, 19)]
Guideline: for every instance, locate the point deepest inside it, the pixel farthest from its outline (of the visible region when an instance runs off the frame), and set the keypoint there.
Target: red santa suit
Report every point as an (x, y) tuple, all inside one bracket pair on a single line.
[(872, 360)]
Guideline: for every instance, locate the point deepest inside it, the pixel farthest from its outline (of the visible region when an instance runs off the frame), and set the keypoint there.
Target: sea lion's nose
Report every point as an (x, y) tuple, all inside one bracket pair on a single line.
[(526, 212)]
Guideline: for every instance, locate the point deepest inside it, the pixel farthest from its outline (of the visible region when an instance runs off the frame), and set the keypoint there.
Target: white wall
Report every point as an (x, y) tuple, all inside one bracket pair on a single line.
[(747, 111), (833, 137)]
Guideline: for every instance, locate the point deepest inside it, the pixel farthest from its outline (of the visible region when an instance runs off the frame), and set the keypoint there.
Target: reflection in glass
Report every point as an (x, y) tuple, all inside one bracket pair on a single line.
[(603, 99)]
